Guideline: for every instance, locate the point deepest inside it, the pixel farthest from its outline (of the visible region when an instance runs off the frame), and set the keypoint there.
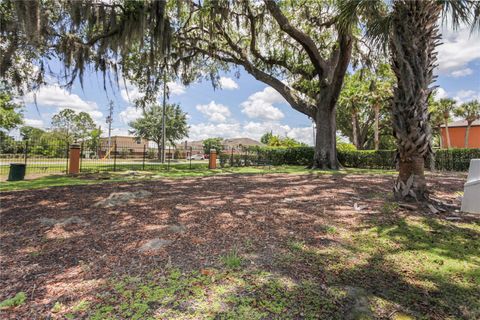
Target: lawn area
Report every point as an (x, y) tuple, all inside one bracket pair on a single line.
[(288, 245), (175, 172)]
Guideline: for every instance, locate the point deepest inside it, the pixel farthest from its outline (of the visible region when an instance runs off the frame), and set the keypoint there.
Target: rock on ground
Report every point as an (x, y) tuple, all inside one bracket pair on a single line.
[(121, 198), (49, 222), (154, 244)]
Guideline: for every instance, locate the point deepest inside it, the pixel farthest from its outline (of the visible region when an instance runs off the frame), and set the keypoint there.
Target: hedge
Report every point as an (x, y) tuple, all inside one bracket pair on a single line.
[(455, 159), (445, 160)]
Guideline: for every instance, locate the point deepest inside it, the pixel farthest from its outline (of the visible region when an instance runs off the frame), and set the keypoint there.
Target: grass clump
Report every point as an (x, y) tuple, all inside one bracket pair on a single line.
[(389, 208), (15, 301), (232, 260)]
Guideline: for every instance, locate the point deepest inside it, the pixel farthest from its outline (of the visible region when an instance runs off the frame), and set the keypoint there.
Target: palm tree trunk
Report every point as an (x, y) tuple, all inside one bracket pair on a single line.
[(377, 126), (447, 133), (467, 133), (414, 36)]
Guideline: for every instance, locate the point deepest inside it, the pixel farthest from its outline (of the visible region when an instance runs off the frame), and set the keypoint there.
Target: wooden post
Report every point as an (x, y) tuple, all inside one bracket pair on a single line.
[(212, 164), (74, 161)]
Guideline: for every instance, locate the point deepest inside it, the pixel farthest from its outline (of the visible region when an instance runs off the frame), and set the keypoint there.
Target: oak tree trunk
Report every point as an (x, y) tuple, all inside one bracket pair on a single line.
[(159, 154), (355, 129), (325, 141)]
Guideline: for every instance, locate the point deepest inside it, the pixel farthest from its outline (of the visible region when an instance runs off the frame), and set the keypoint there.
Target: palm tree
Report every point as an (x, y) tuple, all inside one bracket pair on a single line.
[(470, 112), (410, 30), (446, 107)]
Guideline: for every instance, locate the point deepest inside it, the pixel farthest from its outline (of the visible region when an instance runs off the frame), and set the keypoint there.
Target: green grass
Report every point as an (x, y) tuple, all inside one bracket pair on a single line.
[(15, 301), (232, 259), (415, 268), (219, 295), (426, 266), (175, 172)]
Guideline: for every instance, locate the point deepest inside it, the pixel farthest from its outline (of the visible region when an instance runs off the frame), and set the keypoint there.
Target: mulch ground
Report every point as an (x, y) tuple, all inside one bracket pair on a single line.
[(212, 215)]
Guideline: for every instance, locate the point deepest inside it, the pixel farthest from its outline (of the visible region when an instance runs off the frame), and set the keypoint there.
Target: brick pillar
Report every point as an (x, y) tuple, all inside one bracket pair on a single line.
[(74, 161), (212, 164)]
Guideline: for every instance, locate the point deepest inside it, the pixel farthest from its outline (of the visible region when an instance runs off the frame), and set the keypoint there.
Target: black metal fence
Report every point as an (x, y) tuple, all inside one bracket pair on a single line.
[(45, 156), (40, 156)]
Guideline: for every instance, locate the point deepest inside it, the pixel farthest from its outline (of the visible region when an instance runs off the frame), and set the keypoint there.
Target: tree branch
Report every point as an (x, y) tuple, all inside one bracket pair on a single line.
[(301, 37)]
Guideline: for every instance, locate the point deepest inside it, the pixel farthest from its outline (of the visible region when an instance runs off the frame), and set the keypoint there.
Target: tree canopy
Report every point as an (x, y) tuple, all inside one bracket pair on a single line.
[(149, 125), (72, 126), (10, 112), (365, 99)]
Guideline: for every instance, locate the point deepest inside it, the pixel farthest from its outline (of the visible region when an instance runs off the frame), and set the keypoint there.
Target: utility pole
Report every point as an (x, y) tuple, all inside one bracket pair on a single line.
[(109, 122), (163, 112)]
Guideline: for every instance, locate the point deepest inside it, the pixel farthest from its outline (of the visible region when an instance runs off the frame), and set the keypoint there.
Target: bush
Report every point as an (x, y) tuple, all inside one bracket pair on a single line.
[(348, 156), (370, 159), (344, 146), (455, 159)]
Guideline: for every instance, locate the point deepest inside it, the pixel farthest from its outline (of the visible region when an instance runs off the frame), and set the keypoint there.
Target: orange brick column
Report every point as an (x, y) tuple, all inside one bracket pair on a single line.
[(74, 160), (212, 164)]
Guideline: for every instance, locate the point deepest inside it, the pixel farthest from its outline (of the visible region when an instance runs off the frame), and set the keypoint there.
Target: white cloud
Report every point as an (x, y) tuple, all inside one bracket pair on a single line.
[(214, 111), (228, 83), (461, 73), (55, 96), (440, 93), (117, 132), (253, 130), (130, 92), (36, 123), (458, 49), (130, 114), (176, 88), (466, 95), (202, 131), (260, 105)]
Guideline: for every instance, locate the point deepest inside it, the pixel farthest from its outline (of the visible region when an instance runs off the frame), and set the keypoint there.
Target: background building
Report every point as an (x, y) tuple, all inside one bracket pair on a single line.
[(457, 131)]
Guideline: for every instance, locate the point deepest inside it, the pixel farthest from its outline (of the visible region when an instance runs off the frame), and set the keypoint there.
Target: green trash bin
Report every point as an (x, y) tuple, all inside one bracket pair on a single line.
[(17, 171)]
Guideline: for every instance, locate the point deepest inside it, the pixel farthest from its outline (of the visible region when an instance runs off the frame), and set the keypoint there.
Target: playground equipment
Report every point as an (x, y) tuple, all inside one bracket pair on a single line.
[(107, 155)]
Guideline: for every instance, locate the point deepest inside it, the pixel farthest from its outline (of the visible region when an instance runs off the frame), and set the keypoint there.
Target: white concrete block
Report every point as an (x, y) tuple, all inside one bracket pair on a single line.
[(471, 194)]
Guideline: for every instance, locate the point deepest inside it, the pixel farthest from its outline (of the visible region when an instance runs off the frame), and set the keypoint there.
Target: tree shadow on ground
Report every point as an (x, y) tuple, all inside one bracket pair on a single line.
[(218, 213)]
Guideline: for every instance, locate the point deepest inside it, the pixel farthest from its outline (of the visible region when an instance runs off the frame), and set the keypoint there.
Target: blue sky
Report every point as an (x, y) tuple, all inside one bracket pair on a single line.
[(243, 107)]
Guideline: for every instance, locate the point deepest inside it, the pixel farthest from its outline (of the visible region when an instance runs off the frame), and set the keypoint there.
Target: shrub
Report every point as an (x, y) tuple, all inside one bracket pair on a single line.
[(344, 146), (371, 159), (348, 156), (455, 159)]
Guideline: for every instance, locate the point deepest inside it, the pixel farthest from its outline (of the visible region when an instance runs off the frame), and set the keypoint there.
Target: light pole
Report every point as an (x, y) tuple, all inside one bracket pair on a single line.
[(109, 122)]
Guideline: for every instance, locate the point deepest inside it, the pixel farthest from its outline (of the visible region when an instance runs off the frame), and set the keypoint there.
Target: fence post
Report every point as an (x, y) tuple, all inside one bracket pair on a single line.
[(74, 165), (212, 159), (144, 154), (26, 152), (115, 157)]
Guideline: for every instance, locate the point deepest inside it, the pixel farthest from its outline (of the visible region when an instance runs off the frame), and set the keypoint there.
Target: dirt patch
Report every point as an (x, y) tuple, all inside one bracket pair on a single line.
[(100, 230)]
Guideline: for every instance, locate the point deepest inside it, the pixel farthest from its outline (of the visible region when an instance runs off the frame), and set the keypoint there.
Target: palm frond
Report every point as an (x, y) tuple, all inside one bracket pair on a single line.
[(372, 16), (459, 12)]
